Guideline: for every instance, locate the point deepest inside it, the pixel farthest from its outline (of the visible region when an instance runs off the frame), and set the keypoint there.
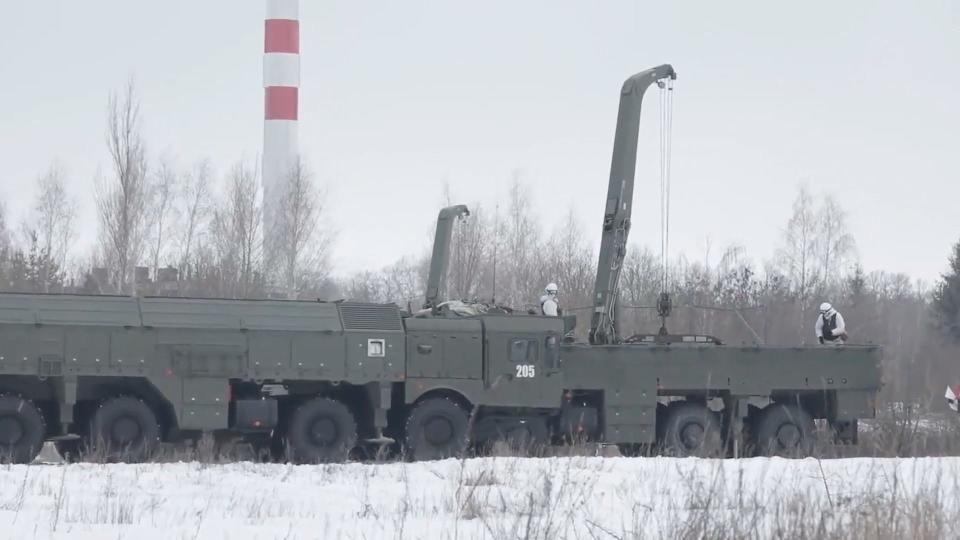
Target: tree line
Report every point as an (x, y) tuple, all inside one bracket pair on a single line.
[(167, 229), (164, 229)]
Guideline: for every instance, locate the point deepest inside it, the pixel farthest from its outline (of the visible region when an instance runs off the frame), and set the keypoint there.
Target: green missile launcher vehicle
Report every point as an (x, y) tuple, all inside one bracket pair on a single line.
[(311, 381)]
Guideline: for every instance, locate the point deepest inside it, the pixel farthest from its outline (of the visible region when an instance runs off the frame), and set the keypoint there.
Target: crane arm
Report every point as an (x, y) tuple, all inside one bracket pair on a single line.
[(617, 212), (441, 251)]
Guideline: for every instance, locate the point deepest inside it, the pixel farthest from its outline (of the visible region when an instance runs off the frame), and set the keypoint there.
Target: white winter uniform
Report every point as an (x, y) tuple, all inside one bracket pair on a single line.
[(830, 327), (549, 305)]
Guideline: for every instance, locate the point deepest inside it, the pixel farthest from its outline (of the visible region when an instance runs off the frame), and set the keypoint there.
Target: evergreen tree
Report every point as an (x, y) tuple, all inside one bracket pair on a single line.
[(946, 297), (856, 285), (35, 269)]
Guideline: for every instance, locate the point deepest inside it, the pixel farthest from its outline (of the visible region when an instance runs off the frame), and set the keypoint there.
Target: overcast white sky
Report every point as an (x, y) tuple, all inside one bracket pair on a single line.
[(856, 99)]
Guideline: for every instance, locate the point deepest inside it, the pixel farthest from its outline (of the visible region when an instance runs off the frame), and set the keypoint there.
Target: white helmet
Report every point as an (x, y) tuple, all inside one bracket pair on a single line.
[(551, 288), (826, 307)]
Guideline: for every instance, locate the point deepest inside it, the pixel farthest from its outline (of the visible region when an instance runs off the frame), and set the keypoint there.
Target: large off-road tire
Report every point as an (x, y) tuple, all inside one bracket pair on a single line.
[(691, 429), (322, 430), (22, 430), (123, 429), (437, 428), (784, 430)]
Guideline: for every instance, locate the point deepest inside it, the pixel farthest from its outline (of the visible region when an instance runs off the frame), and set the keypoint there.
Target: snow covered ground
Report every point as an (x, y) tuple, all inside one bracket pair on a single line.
[(571, 497)]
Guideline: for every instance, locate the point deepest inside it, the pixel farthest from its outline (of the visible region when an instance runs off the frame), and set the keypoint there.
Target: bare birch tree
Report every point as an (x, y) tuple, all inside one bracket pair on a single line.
[(237, 230), (363, 287), (48, 231), (401, 282), (569, 262), (798, 255), (405, 281), (303, 252), (122, 197), (53, 216), (195, 199), (163, 193), (519, 238), (836, 243)]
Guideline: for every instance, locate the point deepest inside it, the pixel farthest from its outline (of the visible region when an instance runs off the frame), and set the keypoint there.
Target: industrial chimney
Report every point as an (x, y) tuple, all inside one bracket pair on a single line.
[(281, 82)]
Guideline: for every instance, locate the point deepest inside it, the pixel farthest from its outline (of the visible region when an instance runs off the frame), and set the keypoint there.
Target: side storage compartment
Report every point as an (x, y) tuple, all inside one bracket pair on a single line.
[(445, 348), (630, 414), (205, 404), (630, 401)]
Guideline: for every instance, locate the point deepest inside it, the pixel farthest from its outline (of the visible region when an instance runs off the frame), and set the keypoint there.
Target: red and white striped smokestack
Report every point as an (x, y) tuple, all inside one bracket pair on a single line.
[(281, 82)]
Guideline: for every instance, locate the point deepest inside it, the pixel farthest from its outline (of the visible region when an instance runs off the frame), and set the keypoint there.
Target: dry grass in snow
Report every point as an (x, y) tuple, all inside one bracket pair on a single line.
[(571, 497)]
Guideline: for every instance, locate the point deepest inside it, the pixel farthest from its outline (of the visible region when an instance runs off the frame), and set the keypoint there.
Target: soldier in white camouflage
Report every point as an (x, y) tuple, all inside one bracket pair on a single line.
[(830, 327), (549, 305)]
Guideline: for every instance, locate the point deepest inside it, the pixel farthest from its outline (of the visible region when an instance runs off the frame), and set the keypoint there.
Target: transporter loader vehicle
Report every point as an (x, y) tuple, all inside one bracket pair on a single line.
[(118, 375)]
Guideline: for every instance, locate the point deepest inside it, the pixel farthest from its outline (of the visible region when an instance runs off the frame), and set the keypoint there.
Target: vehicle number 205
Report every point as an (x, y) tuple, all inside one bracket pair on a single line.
[(526, 371)]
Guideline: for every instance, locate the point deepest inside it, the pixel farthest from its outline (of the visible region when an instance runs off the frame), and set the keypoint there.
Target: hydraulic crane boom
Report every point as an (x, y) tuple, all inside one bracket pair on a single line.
[(616, 217), (441, 251)]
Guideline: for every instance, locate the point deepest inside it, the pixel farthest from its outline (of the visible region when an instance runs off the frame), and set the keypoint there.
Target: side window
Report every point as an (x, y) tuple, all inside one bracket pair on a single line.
[(523, 351)]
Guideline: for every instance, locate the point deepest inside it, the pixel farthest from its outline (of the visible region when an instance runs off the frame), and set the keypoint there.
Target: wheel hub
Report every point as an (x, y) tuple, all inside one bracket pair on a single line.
[(692, 436), (125, 430), (324, 431), (11, 431), (788, 436), (438, 431)]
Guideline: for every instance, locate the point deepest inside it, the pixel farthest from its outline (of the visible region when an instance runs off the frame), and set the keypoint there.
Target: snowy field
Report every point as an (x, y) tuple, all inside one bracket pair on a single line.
[(572, 497)]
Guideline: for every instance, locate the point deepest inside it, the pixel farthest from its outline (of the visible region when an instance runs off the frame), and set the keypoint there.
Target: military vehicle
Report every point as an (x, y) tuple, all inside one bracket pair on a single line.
[(117, 375)]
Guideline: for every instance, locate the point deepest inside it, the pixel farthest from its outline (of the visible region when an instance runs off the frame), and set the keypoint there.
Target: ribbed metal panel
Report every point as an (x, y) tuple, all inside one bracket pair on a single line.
[(384, 317), (235, 314), (59, 309)]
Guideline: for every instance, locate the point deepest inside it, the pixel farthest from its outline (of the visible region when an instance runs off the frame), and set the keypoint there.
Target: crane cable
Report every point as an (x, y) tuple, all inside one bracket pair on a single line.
[(666, 143)]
